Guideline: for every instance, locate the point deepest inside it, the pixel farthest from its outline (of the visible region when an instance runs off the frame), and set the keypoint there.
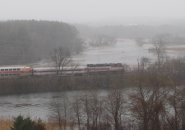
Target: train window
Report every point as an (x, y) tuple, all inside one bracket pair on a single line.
[(2, 69), (18, 69), (14, 69), (6, 69), (10, 69)]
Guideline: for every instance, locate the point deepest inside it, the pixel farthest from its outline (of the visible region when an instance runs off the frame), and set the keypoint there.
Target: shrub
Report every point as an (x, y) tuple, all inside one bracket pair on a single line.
[(21, 123)]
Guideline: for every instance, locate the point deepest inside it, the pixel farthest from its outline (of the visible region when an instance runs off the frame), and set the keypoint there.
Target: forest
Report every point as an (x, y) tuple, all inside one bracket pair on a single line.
[(28, 41)]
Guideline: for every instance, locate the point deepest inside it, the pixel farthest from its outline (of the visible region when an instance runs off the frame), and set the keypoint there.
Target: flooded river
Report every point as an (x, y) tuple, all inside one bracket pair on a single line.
[(125, 51), (37, 105), (41, 105)]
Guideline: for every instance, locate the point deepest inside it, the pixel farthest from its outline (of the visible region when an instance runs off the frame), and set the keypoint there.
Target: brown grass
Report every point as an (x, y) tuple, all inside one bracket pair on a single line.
[(5, 124), (176, 49)]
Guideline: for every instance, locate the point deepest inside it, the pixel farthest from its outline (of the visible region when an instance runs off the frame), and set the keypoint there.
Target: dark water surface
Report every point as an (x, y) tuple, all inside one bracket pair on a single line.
[(37, 105)]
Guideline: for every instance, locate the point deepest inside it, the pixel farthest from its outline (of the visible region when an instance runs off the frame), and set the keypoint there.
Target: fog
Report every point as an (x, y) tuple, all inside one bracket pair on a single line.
[(92, 64), (94, 11)]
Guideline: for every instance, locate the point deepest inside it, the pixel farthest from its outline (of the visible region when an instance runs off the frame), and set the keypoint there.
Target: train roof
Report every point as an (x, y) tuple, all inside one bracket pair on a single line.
[(10, 67), (104, 65)]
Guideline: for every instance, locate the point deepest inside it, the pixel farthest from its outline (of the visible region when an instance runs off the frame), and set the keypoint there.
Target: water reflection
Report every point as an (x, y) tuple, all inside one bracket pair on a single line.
[(37, 105)]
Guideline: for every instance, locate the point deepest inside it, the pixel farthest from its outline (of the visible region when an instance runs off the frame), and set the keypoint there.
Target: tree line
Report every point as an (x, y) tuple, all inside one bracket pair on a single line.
[(28, 41)]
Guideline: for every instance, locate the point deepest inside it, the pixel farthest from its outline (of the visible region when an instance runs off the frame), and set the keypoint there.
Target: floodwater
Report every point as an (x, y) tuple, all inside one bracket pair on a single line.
[(41, 105), (126, 51), (123, 51)]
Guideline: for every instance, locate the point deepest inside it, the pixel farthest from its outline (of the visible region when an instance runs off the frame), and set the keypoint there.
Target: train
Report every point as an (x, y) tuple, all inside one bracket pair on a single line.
[(104, 67), (18, 71), (15, 71)]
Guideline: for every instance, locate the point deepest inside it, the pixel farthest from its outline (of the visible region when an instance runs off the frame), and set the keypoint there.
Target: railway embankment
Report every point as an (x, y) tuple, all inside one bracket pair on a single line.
[(52, 83), (169, 74)]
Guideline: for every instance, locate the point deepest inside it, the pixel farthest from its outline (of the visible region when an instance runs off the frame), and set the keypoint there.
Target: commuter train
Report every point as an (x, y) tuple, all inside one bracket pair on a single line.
[(17, 71), (89, 68), (14, 71)]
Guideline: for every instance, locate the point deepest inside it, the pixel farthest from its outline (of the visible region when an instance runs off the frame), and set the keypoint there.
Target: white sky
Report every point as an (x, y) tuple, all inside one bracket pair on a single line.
[(90, 10)]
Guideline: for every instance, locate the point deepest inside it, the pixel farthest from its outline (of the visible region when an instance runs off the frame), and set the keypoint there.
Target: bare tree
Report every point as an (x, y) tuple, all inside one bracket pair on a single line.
[(148, 107), (77, 107), (96, 110), (114, 106), (61, 58), (141, 71), (65, 110), (86, 108), (176, 117), (60, 112), (57, 113), (158, 50), (148, 103), (144, 63)]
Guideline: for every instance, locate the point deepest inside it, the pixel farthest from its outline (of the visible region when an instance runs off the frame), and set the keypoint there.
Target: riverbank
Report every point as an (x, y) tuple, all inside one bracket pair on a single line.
[(41, 84), (170, 73)]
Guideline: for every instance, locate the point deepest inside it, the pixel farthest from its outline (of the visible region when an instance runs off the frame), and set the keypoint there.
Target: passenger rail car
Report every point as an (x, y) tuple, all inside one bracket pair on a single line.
[(14, 71), (17, 71), (104, 67)]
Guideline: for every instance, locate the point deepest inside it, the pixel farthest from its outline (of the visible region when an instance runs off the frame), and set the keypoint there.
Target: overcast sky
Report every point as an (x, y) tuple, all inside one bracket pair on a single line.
[(90, 10)]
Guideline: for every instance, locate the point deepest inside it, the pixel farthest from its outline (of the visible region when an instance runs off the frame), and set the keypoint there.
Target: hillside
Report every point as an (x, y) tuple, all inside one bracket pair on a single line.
[(29, 41)]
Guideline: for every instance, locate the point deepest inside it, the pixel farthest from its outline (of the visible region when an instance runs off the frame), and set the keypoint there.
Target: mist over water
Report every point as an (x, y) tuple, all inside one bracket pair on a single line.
[(126, 51), (52, 35)]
